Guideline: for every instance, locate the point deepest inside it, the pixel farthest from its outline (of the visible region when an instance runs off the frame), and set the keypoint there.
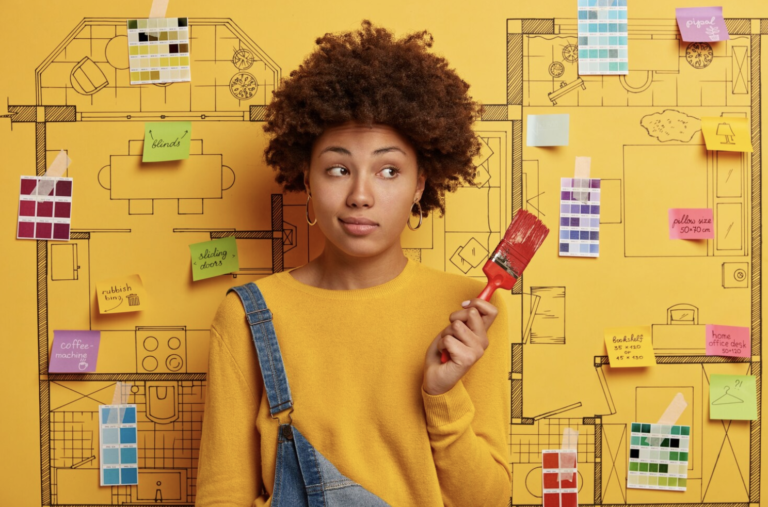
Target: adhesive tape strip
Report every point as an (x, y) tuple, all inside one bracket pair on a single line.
[(582, 167), (671, 415), (57, 168), (158, 8), (121, 394), (568, 459)]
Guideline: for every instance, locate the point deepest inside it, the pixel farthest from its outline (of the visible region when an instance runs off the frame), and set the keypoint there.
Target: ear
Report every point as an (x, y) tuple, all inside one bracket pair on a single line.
[(305, 169), (421, 181)]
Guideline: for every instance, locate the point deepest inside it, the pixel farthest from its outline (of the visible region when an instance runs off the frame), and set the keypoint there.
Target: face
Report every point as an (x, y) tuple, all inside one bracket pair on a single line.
[(363, 181)]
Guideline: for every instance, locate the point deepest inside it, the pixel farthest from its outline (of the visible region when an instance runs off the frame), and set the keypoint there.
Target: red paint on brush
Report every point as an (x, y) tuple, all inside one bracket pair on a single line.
[(524, 236)]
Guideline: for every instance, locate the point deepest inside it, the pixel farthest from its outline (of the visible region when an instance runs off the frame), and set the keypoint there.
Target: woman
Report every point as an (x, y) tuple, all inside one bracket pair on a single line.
[(375, 129)]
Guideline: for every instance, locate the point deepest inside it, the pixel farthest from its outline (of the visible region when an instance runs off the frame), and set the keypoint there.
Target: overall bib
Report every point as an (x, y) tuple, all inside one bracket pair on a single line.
[(303, 476)]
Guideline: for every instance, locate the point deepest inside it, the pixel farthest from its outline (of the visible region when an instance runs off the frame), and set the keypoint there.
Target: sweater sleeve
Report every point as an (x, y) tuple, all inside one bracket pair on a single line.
[(229, 468), (468, 426)]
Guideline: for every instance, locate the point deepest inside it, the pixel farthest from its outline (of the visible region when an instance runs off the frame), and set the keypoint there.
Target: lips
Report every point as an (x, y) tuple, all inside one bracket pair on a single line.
[(358, 226), (357, 221)]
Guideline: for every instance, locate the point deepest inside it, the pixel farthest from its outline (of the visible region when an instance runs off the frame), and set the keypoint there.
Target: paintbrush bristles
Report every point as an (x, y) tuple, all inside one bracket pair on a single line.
[(524, 236)]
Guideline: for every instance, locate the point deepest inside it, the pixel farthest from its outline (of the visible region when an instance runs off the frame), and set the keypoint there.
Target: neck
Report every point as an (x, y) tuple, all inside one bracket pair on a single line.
[(336, 270)]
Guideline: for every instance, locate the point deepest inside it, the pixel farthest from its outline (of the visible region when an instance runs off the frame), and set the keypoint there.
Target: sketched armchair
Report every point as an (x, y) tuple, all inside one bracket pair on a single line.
[(87, 78), (684, 314)]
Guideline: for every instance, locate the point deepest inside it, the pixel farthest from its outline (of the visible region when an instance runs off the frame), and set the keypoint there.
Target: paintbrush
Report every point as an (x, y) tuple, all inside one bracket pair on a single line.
[(524, 236)]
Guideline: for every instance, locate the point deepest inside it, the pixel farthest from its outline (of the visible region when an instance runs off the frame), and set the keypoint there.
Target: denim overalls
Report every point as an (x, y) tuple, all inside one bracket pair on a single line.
[(303, 476)]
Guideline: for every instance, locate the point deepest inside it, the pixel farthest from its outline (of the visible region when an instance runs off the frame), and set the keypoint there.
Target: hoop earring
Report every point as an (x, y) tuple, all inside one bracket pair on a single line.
[(421, 216), (306, 211)]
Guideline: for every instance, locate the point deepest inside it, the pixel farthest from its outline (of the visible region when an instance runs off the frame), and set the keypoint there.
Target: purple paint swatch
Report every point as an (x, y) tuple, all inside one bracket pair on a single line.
[(74, 351), (45, 217), (702, 24)]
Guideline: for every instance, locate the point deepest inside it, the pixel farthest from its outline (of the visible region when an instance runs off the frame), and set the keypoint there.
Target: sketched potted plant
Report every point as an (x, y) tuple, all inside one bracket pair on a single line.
[(713, 32)]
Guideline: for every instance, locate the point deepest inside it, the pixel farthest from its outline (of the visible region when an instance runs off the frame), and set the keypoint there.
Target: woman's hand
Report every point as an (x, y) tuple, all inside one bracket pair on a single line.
[(465, 339)]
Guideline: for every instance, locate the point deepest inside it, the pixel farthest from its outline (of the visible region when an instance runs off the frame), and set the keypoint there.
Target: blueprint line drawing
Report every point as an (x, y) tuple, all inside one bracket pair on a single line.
[(641, 130)]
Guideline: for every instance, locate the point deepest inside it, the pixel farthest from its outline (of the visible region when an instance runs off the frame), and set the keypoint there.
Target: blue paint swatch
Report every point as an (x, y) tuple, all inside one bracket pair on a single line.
[(603, 37), (118, 437)]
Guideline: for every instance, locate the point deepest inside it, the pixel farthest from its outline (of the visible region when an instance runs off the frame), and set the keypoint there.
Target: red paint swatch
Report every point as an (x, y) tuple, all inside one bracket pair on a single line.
[(45, 217), (559, 484)]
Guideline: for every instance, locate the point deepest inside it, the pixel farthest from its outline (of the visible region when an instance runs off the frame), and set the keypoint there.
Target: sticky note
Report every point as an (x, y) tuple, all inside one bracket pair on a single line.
[(701, 24), (120, 295), (629, 346), (691, 223), (118, 445), (74, 351), (727, 134), (732, 397), (728, 341), (166, 141), (214, 258), (548, 129)]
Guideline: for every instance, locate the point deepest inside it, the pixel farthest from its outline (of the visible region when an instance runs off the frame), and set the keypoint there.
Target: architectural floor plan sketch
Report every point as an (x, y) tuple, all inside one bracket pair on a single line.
[(642, 131)]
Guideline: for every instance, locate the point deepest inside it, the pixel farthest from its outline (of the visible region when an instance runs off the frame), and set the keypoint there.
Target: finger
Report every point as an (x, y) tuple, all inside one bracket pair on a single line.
[(472, 317), (459, 352), (487, 310), (465, 335)]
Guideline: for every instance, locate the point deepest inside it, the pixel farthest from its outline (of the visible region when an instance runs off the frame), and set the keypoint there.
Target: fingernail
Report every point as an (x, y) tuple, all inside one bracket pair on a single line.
[(465, 303)]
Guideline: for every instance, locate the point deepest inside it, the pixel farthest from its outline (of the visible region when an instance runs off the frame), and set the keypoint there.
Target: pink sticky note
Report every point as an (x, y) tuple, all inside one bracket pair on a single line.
[(728, 341), (691, 223), (74, 351), (702, 24)]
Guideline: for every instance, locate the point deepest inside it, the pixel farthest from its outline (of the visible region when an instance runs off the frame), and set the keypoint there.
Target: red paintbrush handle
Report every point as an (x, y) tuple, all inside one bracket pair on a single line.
[(486, 295)]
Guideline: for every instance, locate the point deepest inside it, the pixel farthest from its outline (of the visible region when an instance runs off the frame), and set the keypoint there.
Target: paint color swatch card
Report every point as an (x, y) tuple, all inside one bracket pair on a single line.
[(727, 134), (658, 456), (214, 258), (118, 445), (733, 397), (579, 217), (558, 476), (730, 341), (691, 223), (45, 217), (74, 351), (166, 141), (158, 50), (548, 129), (120, 295), (603, 37), (701, 24), (629, 347)]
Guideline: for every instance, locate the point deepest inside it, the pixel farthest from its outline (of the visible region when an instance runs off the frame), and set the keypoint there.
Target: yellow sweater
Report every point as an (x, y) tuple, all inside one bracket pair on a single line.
[(354, 360)]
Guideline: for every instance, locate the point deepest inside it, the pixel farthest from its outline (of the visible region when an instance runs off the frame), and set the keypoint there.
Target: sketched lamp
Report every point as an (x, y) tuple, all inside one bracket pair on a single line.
[(724, 129)]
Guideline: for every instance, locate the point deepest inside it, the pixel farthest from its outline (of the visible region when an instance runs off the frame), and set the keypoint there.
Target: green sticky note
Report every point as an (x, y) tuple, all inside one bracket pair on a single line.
[(166, 141), (732, 397), (214, 258)]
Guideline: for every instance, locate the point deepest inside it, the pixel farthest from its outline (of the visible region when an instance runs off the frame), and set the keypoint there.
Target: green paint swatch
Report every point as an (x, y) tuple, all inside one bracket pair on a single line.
[(214, 258), (732, 397), (166, 141)]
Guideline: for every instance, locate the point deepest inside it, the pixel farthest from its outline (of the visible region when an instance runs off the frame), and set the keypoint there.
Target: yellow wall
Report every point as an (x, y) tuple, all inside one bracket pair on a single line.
[(638, 277)]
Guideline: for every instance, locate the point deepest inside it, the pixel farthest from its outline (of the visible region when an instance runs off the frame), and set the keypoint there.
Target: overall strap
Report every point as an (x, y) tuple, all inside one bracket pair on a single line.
[(267, 349)]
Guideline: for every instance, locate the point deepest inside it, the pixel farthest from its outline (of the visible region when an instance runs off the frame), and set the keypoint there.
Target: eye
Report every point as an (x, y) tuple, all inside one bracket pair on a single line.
[(338, 171), (390, 172)]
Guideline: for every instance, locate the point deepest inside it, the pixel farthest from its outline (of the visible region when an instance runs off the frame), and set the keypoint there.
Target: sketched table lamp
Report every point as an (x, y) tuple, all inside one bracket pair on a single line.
[(724, 129)]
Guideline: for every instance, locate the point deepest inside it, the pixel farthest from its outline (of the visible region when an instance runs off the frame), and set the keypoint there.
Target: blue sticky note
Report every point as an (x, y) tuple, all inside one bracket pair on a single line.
[(548, 129)]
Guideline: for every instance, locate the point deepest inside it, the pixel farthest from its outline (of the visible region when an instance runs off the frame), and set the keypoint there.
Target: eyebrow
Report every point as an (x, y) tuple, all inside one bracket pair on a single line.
[(344, 151)]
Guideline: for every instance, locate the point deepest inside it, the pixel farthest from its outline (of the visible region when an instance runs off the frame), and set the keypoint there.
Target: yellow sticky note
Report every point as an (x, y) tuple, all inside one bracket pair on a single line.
[(727, 134), (120, 295), (629, 346)]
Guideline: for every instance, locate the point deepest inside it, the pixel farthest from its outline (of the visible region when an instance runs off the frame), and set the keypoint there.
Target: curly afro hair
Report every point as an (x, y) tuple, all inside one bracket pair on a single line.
[(371, 77)]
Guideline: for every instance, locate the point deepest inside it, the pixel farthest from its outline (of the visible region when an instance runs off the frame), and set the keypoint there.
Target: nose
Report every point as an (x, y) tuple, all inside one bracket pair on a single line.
[(360, 194)]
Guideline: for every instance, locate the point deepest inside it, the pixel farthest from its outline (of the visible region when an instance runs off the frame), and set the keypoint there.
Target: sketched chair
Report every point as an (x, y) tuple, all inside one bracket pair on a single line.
[(683, 314), (87, 78)]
